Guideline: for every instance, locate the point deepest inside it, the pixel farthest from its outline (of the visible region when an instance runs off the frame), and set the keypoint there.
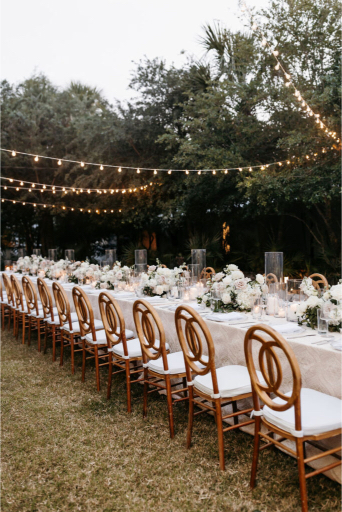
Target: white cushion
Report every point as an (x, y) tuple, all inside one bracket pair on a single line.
[(133, 348), (175, 362), (232, 381), (75, 327), (319, 412)]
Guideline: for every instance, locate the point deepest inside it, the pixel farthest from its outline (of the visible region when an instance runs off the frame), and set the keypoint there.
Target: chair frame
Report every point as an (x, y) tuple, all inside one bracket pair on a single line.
[(271, 278), (273, 381), (321, 280), (114, 325), (192, 347), (10, 303), (143, 311), (85, 316), (19, 313), (68, 338), (207, 272), (34, 322), (47, 305)]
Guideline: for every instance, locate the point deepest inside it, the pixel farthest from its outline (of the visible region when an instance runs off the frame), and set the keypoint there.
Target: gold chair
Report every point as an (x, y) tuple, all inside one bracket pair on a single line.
[(20, 311), (271, 279), (9, 295), (320, 280), (93, 335), (123, 349), (34, 310), (68, 324), (207, 273), (300, 415), (50, 316), (6, 308), (218, 387), (158, 363)]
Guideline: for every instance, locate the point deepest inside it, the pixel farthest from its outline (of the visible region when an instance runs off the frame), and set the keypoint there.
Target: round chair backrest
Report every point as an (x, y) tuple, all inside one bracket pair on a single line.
[(147, 324), (17, 294), (271, 278), (84, 312), (195, 339), (62, 304), (207, 273), (30, 295), (8, 288), (318, 279), (1, 292), (45, 298), (113, 321), (270, 366)]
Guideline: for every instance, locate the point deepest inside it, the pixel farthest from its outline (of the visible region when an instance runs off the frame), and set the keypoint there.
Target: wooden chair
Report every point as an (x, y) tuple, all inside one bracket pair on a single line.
[(207, 273), (68, 325), (123, 349), (159, 365), (93, 335), (50, 316), (34, 310), (320, 280), (271, 278), (20, 311), (9, 295), (301, 415), (212, 388), (6, 308)]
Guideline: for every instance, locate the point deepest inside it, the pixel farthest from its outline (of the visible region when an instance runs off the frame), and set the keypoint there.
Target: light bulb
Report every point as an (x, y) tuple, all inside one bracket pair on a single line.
[(88, 191), (264, 42), (138, 171), (11, 180), (287, 84), (82, 164), (21, 183), (279, 163), (5, 188), (59, 162), (155, 171), (24, 203), (169, 171), (262, 167), (101, 167), (288, 161), (33, 185), (119, 170), (14, 153), (214, 172), (14, 202), (303, 103), (186, 172), (297, 93), (254, 26), (276, 53), (44, 205), (250, 169), (287, 76), (72, 209), (44, 186), (63, 189), (36, 158), (240, 169), (199, 172), (226, 171)]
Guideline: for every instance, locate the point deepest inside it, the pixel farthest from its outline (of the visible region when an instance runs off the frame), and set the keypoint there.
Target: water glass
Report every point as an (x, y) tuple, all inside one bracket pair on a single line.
[(322, 324), (257, 308)]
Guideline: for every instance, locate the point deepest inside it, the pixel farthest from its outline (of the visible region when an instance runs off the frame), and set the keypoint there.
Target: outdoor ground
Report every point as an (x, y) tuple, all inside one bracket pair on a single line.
[(65, 447)]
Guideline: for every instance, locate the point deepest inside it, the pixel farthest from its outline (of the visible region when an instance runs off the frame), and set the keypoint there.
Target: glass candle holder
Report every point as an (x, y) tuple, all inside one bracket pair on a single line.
[(294, 296), (274, 264), (52, 254), (141, 260), (194, 272), (37, 252), (110, 255), (257, 309), (21, 253), (69, 254), (199, 257)]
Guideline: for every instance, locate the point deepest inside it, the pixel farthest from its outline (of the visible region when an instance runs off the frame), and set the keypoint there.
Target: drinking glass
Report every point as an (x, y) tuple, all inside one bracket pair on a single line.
[(37, 252), (257, 308), (329, 314), (322, 324)]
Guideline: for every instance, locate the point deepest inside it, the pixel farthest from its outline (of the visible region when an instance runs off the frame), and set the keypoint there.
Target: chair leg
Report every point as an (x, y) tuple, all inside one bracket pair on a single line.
[(219, 425), (145, 392), (128, 386), (2, 317), (301, 471), (97, 369), (83, 360), (191, 416), (62, 351), (169, 406), (14, 320), (53, 341), (23, 329), (72, 348), (256, 451), (38, 328), (29, 333), (110, 374), (20, 316), (235, 409), (9, 318)]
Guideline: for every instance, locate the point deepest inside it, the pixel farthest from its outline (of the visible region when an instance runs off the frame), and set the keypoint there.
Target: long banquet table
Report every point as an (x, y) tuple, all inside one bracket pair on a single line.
[(320, 365)]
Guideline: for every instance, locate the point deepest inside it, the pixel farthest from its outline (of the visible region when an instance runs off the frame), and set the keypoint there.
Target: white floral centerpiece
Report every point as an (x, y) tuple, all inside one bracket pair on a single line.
[(31, 264), (307, 311), (235, 291), (107, 277), (159, 280)]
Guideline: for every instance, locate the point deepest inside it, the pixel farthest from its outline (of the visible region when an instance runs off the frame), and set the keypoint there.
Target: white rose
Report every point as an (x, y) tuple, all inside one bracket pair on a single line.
[(159, 290), (240, 284), (326, 295), (264, 288), (227, 280), (226, 298), (152, 282), (313, 301), (152, 268), (301, 308), (259, 279), (232, 267), (237, 274), (336, 291)]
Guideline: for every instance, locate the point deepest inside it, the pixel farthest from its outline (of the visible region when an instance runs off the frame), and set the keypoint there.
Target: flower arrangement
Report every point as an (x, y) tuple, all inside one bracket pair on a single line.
[(159, 280), (235, 291), (107, 277), (307, 310)]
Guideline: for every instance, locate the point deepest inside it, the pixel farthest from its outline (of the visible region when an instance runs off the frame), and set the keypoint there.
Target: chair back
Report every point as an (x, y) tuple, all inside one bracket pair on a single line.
[(207, 272), (113, 321), (149, 328), (271, 278), (30, 295), (268, 340), (17, 294), (318, 279), (8, 288), (195, 339), (62, 304), (84, 312), (45, 298), (1, 292)]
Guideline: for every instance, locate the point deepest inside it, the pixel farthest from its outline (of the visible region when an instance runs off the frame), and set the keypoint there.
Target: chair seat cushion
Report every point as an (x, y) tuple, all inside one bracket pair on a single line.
[(133, 348), (75, 328), (175, 362), (232, 380), (319, 412)]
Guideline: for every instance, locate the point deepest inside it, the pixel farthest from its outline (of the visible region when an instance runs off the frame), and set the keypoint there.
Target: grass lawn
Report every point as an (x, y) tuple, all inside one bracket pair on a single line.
[(65, 447)]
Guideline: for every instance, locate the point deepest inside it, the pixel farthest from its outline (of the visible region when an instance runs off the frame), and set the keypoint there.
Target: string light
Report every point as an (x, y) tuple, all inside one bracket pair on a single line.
[(59, 162), (101, 167), (82, 164), (44, 205), (14, 153), (36, 158), (278, 66)]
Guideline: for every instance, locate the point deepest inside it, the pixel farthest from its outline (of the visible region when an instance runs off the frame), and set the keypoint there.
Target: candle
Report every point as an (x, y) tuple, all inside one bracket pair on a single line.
[(186, 296), (193, 293), (281, 313), (174, 292), (286, 279), (291, 311), (271, 305)]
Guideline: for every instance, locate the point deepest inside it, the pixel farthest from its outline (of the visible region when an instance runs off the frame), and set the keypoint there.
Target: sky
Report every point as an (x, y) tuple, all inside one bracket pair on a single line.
[(97, 42)]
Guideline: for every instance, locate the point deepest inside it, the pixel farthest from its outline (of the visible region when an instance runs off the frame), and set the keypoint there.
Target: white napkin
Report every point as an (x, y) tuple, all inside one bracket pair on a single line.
[(193, 305), (153, 299), (337, 345), (225, 317), (287, 328)]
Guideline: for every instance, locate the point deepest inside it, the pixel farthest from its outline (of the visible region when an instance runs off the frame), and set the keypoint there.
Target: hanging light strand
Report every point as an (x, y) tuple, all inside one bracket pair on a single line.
[(63, 207), (288, 80)]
